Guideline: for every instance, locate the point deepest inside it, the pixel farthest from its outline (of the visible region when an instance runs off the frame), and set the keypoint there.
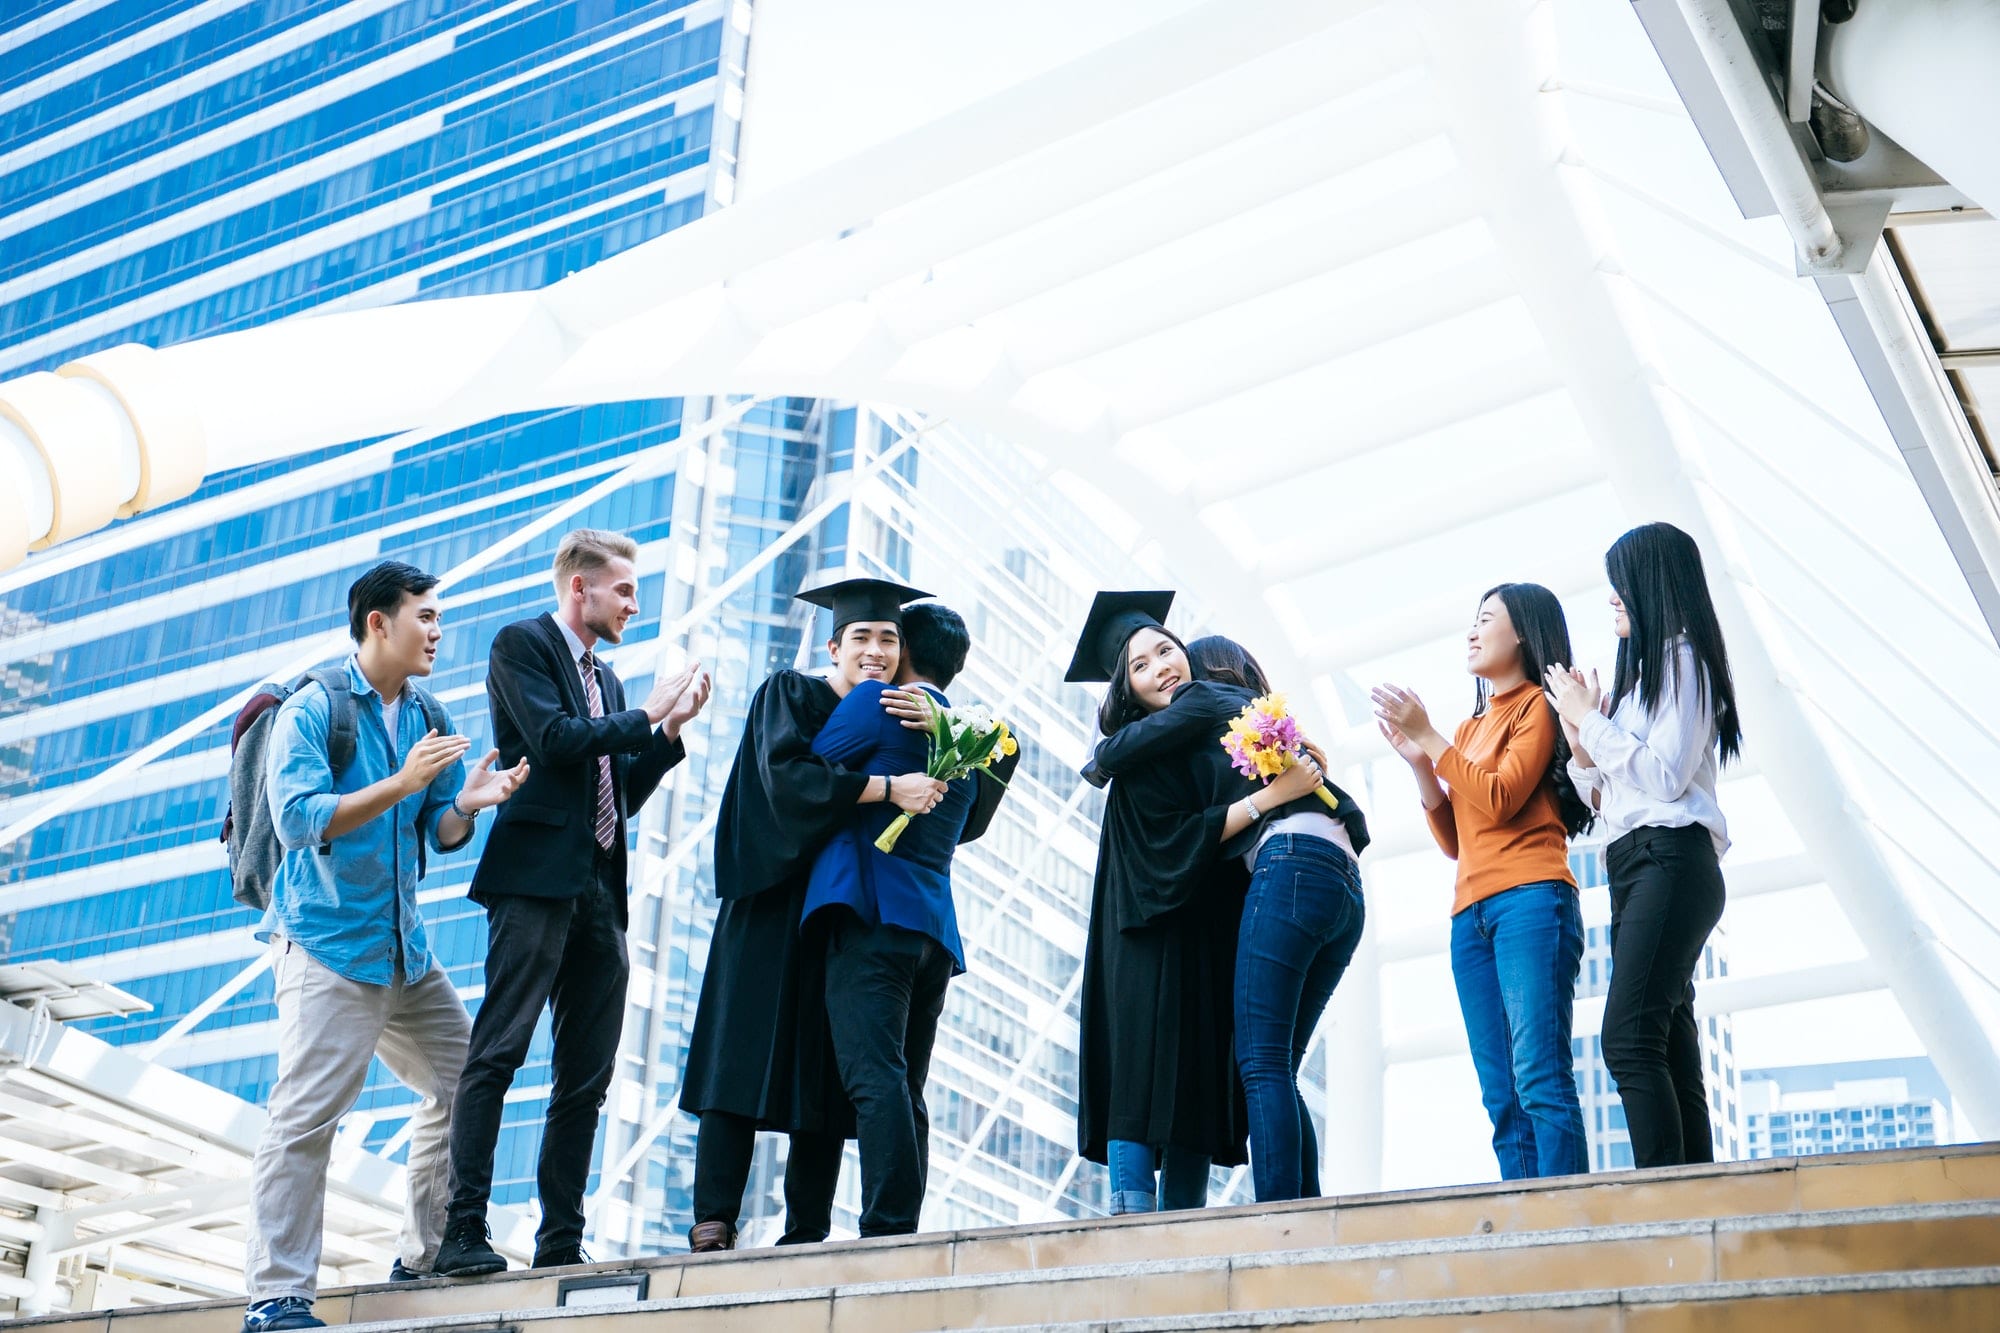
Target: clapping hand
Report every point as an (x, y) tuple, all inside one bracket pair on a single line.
[(669, 692), (1413, 753), (692, 698), (1574, 699), (1405, 713), (485, 788), (430, 757)]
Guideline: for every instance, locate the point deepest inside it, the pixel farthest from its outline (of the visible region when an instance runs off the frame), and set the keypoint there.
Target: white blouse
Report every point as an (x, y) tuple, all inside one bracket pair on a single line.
[(1655, 770)]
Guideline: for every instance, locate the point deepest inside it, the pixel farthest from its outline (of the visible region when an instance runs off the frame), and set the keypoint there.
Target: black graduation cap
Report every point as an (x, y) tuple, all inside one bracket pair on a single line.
[(862, 599), (1114, 618)]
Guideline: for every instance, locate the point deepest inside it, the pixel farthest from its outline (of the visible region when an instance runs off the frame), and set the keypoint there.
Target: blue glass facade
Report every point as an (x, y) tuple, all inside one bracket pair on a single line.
[(231, 168), (228, 169)]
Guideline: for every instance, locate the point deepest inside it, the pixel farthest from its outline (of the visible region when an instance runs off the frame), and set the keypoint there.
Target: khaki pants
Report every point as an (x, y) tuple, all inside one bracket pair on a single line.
[(329, 1029)]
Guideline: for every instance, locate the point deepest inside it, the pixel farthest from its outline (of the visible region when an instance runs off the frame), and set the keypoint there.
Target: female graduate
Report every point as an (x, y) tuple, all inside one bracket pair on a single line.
[(1647, 759), (1501, 804), (1160, 1100)]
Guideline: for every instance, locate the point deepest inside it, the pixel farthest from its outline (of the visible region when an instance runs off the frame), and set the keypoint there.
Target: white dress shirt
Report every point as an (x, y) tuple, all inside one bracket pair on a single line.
[(1657, 769), (577, 647)]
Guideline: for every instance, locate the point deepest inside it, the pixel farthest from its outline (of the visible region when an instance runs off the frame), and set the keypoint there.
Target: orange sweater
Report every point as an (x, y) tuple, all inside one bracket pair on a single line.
[(1500, 820)]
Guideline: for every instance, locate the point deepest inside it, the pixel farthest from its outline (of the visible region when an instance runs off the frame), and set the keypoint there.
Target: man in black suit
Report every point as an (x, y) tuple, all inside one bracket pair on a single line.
[(552, 879)]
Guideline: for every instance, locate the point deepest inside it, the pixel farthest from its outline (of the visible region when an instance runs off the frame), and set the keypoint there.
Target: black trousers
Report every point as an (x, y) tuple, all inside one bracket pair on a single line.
[(722, 1152), (885, 988), (569, 955), (1666, 896)]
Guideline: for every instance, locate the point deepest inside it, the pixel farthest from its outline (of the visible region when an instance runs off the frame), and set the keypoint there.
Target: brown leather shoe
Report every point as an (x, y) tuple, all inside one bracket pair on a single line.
[(708, 1237)]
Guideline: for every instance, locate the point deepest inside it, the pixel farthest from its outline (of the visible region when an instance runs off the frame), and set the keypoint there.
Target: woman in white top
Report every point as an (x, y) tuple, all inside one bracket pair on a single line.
[(1646, 758)]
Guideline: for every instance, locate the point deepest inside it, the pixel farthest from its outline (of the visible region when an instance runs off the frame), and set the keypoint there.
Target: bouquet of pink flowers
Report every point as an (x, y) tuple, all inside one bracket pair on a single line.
[(1264, 741)]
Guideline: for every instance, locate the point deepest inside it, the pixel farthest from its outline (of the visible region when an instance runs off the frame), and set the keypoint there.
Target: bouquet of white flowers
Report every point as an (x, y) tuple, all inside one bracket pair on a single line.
[(963, 740)]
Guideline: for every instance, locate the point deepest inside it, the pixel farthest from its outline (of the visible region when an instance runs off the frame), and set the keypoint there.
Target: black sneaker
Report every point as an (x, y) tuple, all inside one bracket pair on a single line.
[(280, 1312), (465, 1252), (398, 1273), (560, 1256)]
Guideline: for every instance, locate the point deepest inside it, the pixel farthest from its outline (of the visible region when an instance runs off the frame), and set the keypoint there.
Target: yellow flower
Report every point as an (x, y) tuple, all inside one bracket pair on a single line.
[(1008, 745)]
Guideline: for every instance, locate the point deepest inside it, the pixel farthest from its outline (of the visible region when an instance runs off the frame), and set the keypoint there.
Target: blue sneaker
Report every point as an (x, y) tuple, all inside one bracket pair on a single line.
[(280, 1313), (398, 1273)]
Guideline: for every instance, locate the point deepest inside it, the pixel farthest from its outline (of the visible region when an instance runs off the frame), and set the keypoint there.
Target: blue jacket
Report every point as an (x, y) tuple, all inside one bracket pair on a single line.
[(911, 886), (354, 911)]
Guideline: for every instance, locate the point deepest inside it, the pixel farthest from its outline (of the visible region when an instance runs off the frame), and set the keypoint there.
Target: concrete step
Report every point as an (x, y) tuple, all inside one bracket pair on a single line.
[(1906, 1212), (1935, 1301), (1138, 1298)]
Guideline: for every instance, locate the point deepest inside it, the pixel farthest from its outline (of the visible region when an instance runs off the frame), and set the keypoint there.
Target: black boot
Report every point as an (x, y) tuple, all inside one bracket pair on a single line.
[(465, 1251)]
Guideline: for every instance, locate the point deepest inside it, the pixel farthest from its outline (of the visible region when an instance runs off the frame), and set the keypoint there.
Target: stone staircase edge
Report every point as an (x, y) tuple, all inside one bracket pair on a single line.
[(1226, 1263), (1761, 1288)]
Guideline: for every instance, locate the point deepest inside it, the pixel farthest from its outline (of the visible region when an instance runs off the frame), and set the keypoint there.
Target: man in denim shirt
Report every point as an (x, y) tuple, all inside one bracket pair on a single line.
[(355, 976)]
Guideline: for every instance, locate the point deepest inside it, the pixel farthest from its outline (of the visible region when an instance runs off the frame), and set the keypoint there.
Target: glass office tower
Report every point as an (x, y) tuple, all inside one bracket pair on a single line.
[(171, 170)]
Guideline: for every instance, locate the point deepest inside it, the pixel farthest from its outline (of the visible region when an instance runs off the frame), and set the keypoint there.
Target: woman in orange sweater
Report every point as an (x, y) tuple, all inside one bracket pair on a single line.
[(1501, 803)]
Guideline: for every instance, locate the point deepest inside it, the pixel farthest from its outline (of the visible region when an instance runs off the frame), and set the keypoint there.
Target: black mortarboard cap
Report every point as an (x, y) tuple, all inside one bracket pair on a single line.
[(1114, 618), (862, 599)]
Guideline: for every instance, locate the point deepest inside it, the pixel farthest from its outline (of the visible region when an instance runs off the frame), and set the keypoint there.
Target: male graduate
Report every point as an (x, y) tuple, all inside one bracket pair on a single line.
[(887, 922), (759, 1057)]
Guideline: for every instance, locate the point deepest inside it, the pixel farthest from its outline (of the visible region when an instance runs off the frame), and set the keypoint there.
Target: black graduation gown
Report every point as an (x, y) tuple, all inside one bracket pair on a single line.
[(1157, 1061), (760, 1046)]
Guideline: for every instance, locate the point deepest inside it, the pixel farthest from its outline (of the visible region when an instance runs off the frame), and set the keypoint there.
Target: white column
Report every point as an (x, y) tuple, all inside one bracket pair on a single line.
[(1351, 1150), (43, 1254)]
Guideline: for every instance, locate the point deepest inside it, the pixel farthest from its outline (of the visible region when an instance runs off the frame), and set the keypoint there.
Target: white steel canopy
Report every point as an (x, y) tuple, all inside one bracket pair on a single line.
[(1361, 307), (129, 1181)]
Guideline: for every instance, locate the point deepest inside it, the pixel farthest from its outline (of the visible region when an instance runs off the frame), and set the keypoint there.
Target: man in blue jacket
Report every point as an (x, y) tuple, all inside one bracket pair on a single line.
[(888, 921)]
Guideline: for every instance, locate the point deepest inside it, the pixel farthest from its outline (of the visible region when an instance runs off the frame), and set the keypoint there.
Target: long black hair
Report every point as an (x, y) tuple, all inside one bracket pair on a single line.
[(1544, 632), (1120, 705), (1656, 571), (1219, 658)]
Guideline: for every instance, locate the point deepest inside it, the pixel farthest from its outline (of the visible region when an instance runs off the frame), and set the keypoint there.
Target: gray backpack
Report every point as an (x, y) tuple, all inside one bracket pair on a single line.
[(254, 849)]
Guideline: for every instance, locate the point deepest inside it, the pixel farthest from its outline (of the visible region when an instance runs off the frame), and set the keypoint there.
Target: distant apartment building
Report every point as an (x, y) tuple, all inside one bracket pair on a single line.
[(1851, 1106), (1603, 1112)]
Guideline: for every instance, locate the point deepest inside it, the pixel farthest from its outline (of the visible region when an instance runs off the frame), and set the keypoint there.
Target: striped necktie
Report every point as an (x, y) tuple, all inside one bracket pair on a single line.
[(607, 811)]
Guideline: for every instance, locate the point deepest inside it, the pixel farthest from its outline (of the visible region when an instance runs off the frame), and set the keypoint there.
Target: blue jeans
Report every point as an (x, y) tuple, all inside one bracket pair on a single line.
[(1515, 957), (1301, 922), (1182, 1183)]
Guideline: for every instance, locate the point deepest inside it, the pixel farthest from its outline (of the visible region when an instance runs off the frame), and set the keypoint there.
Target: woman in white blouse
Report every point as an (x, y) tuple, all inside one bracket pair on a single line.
[(1646, 757)]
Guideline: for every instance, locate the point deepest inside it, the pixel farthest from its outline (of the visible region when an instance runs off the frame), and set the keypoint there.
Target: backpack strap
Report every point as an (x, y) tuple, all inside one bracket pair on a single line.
[(435, 719), (341, 714), (340, 720)]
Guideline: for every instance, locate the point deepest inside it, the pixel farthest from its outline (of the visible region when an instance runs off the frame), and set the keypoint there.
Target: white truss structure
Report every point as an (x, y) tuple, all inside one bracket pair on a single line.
[(1360, 307), (127, 1183)]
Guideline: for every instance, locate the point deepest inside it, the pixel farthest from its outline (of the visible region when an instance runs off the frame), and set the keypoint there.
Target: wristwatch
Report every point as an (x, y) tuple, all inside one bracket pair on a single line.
[(1251, 805)]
